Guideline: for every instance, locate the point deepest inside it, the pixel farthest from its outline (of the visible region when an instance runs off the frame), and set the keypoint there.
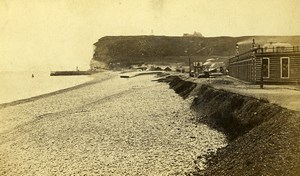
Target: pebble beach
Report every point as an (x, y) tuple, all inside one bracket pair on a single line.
[(113, 126)]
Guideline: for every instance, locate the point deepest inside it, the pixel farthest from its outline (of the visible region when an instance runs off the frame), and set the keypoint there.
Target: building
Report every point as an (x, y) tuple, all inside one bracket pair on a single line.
[(213, 65), (195, 34), (198, 69), (273, 63)]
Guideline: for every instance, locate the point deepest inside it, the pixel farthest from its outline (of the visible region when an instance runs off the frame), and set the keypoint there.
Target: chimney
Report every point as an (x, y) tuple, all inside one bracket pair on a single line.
[(237, 49), (253, 44)]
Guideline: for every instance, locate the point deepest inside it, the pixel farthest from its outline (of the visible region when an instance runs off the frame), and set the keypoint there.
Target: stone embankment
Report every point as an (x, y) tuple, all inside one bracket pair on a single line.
[(263, 137)]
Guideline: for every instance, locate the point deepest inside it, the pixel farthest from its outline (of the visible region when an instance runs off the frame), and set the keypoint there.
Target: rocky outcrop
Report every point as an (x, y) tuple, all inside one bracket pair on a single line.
[(97, 65)]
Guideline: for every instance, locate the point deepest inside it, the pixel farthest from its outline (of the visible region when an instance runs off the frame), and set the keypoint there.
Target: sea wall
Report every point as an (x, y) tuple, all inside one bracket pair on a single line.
[(181, 87), (232, 113), (263, 137)]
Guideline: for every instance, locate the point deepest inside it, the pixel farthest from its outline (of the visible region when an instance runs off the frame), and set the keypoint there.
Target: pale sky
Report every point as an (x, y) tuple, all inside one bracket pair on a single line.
[(59, 34)]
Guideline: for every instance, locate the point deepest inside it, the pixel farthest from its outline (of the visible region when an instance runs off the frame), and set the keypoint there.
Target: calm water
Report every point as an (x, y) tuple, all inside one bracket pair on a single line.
[(20, 85)]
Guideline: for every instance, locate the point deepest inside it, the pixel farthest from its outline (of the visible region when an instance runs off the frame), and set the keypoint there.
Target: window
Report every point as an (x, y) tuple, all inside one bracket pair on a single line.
[(285, 67), (265, 67)]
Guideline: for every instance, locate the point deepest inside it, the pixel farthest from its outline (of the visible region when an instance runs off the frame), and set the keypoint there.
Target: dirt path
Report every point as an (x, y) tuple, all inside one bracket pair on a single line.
[(117, 127)]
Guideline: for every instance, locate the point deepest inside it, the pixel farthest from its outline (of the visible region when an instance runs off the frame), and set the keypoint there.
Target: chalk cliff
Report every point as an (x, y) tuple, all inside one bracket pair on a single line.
[(126, 50)]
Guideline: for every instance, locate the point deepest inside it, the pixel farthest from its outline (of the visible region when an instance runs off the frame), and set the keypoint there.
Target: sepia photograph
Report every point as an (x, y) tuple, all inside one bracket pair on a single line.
[(150, 87)]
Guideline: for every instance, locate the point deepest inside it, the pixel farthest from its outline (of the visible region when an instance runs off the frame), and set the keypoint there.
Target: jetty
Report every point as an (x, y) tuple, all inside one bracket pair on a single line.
[(71, 73)]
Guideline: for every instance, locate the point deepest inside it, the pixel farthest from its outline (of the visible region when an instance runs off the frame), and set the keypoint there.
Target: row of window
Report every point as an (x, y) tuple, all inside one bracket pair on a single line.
[(284, 67)]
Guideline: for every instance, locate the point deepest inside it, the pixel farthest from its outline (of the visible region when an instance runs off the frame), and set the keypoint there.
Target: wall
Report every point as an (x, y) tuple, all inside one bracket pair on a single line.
[(275, 69), (242, 70)]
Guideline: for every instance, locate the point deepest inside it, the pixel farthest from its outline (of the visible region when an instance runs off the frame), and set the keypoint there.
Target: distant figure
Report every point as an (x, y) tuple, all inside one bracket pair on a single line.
[(32, 76), (221, 70)]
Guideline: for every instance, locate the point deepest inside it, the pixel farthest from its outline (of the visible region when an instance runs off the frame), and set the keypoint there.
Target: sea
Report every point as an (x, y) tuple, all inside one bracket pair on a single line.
[(17, 85)]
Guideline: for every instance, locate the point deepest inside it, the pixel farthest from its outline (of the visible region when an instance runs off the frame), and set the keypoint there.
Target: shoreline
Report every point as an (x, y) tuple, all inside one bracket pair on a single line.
[(95, 79), (133, 126), (137, 115)]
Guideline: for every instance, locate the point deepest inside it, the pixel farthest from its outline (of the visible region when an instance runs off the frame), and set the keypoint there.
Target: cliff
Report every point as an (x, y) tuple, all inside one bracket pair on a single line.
[(127, 50)]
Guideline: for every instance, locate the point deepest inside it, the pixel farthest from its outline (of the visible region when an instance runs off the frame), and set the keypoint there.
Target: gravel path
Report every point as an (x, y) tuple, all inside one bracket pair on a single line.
[(115, 127)]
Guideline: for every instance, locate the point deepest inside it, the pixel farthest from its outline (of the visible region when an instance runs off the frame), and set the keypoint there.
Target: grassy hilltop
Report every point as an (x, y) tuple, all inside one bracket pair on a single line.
[(128, 50)]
